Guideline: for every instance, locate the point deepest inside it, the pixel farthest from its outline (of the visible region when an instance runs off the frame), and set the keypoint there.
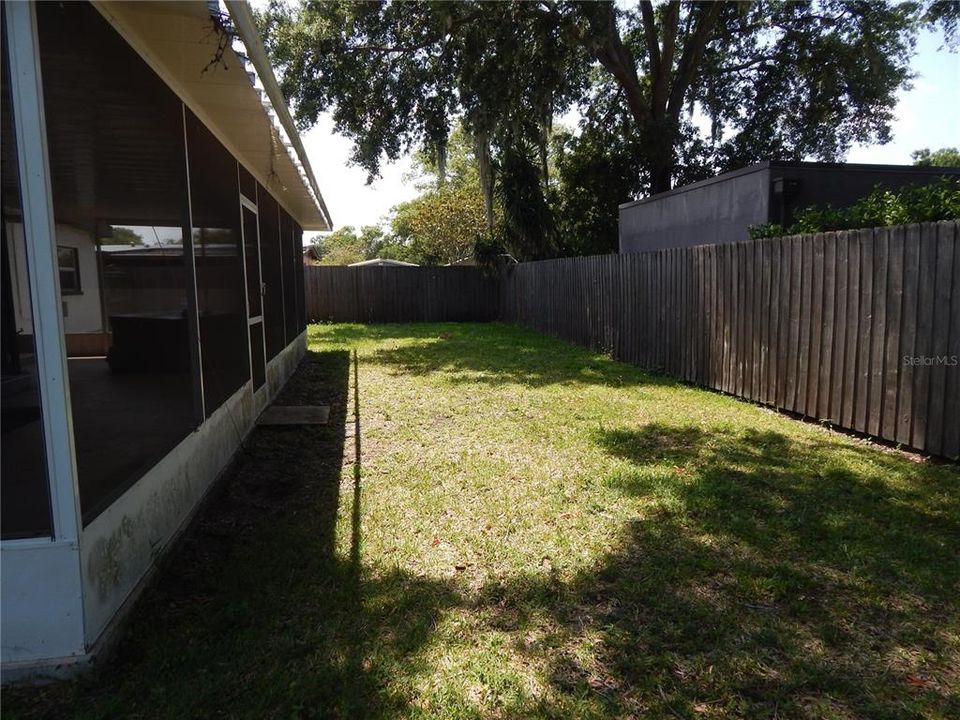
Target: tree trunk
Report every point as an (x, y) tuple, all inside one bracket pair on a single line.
[(661, 176)]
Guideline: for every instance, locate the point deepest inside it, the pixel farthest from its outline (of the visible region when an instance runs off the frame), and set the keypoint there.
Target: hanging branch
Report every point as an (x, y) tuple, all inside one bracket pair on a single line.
[(222, 27)]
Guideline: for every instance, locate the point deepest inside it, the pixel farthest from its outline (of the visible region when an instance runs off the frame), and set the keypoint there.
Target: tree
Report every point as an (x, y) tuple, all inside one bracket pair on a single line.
[(345, 245), (776, 78), (944, 157), (460, 163), (125, 236), (442, 225)]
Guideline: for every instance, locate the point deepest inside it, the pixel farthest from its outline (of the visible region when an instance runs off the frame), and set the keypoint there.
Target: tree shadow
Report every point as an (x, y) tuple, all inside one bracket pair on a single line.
[(256, 612), (764, 576), (767, 577), (464, 353)]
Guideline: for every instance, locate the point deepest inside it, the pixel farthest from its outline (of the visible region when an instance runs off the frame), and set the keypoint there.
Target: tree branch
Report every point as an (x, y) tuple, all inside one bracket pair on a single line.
[(747, 65), (692, 53), (606, 46), (407, 49), (658, 70)]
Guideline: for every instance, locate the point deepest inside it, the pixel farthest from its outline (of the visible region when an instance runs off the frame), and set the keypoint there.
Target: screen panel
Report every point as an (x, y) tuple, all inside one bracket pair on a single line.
[(218, 258), (301, 298), (289, 277), (271, 266), (248, 186), (115, 136)]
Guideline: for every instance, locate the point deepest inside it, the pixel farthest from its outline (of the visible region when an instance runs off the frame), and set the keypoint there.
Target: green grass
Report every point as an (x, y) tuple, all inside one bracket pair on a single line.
[(536, 531)]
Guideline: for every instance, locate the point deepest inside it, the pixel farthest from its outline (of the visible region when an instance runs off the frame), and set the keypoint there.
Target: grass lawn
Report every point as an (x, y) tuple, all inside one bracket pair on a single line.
[(536, 531)]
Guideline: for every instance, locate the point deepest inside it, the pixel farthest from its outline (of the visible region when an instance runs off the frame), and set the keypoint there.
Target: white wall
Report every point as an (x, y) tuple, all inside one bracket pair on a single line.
[(82, 311)]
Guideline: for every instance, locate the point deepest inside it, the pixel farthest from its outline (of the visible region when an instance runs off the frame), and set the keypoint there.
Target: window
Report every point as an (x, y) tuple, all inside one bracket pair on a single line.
[(69, 261)]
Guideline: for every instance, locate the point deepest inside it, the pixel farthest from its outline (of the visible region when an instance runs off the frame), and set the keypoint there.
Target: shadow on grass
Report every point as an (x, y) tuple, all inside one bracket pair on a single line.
[(765, 577), (464, 353), (770, 578), (255, 613)]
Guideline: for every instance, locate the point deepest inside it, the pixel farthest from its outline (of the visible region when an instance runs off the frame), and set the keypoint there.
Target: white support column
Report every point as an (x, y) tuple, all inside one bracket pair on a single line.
[(40, 233)]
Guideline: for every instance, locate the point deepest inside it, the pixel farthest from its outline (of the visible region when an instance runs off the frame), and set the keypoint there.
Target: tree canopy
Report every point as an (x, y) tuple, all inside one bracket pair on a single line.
[(944, 157), (668, 91)]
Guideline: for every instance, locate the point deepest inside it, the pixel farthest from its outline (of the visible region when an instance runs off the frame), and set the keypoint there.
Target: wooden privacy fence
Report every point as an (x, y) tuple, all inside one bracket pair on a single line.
[(401, 294), (858, 328)]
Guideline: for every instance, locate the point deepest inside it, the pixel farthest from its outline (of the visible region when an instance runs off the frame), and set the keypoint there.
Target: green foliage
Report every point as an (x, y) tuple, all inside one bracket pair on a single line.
[(345, 245), (124, 236), (442, 225), (460, 167), (528, 224), (479, 83), (944, 157), (396, 76), (881, 208), (945, 15)]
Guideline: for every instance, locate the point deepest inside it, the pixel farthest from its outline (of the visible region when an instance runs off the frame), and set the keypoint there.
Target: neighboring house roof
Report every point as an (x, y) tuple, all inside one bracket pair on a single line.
[(236, 97), (382, 262)]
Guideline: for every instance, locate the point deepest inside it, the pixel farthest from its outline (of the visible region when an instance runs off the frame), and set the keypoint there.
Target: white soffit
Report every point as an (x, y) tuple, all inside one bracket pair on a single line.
[(180, 41)]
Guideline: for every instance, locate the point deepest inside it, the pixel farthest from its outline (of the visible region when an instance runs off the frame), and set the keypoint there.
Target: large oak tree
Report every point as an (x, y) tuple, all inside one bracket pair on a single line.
[(774, 79)]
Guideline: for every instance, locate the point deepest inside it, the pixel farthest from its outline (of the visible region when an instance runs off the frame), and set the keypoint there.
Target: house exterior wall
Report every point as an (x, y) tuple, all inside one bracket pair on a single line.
[(840, 184), (711, 211), (119, 548), (62, 593), (81, 312), (82, 318)]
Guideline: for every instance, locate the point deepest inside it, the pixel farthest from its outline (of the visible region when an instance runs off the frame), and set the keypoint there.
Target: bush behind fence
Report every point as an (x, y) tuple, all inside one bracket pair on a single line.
[(859, 328)]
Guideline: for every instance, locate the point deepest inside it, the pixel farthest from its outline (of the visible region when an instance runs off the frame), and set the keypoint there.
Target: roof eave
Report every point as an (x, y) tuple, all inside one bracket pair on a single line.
[(242, 18)]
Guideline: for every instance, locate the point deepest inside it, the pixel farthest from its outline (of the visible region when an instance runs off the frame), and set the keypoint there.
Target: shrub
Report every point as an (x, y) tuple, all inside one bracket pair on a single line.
[(881, 208)]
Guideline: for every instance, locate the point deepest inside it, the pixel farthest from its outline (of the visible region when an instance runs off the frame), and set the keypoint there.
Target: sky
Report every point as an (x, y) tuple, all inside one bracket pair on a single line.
[(928, 115)]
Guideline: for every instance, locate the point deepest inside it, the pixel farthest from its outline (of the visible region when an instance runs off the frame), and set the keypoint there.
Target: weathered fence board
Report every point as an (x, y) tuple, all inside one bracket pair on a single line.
[(401, 294), (859, 328)]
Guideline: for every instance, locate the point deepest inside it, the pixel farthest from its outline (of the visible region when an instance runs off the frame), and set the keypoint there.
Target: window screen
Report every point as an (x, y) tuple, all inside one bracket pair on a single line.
[(271, 267), (301, 299), (248, 186), (218, 257), (115, 135), (290, 272)]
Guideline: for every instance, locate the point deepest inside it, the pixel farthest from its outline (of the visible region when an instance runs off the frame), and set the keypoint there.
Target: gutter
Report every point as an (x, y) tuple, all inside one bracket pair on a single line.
[(250, 37)]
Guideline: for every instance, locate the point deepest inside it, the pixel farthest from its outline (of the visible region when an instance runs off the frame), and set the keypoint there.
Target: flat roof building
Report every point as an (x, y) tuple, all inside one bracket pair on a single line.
[(721, 209)]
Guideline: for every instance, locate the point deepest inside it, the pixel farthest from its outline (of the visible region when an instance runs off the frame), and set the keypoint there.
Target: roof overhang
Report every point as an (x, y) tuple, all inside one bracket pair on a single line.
[(186, 47)]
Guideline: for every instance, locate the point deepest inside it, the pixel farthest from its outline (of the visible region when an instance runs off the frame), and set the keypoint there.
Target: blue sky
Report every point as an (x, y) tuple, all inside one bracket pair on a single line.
[(928, 115)]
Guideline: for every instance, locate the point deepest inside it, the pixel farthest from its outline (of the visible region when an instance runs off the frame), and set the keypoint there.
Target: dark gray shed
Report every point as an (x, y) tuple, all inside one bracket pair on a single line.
[(720, 209)]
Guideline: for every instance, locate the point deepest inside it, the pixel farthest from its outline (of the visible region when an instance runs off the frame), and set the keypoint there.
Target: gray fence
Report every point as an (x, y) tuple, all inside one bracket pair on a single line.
[(859, 328)]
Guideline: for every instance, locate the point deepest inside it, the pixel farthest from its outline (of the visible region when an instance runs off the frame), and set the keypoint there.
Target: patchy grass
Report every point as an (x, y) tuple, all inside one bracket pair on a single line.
[(536, 531)]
